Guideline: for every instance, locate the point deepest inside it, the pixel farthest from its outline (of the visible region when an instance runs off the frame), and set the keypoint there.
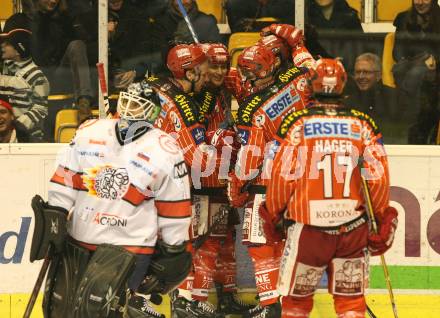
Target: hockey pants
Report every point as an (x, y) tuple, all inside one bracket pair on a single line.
[(307, 254), (214, 260)]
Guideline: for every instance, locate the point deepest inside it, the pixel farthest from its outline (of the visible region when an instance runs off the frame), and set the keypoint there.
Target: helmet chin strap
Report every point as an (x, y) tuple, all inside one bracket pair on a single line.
[(193, 81)]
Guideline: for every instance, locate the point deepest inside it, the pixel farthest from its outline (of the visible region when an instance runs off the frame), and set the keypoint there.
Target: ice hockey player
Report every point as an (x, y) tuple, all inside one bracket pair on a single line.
[(180, 117), (274, 92), (118, 178), (316, 184), (214, 260)]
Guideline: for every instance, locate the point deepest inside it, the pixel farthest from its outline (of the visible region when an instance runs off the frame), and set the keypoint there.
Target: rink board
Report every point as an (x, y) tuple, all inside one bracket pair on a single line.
[(414, 259)]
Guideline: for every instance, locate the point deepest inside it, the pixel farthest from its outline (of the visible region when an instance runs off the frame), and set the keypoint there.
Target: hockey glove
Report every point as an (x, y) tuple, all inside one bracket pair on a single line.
[(381, 242), (235, 196), (269, 225), (291, 34)]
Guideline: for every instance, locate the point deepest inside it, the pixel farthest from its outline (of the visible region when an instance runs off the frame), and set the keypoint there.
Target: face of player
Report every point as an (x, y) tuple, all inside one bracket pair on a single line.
[(6, 118), (48, 5), (422, 6), (115, 5), (202, 79), (9, 52), (365, 75), (217, 73), (324, 3)]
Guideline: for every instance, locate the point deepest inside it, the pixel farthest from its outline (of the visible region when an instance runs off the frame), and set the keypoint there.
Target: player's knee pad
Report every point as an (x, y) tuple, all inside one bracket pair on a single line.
[(298, 305), (349, 305)]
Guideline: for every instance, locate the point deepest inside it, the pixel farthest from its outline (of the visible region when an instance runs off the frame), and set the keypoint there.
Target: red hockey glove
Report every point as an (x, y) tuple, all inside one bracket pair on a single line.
[(224, 138), (379, 243), (269, 225), (235, 196), (291, 34), (302, 57)]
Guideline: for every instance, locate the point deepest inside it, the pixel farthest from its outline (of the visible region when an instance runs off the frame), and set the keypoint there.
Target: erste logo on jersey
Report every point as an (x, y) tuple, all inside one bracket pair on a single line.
[(332, 127), (282, 101)]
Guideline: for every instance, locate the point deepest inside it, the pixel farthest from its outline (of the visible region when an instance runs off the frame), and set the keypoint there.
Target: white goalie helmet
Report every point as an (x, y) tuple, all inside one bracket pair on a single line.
[(139, 103)]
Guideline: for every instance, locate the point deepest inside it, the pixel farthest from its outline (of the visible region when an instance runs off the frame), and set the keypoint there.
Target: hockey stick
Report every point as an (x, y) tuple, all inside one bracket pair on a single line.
[(187, 20), (370, 313), (38, 283), (375, 229), (103, 87)]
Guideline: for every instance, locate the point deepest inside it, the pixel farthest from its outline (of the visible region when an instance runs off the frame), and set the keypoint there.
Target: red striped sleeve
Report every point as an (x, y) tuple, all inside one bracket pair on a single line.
[(134, 196), (68, 178), (173, 209)]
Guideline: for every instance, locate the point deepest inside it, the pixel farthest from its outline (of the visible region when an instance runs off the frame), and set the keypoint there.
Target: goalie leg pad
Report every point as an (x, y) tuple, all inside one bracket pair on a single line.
[(64, 274), (105, 278), (50, 228)]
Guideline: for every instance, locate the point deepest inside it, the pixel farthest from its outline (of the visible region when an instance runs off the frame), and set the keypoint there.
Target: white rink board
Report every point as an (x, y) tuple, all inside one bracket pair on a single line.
[(25, 170)]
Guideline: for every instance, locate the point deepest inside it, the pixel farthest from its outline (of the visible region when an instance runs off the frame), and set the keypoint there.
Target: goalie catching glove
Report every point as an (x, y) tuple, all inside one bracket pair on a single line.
[(381, 242), (168, 268)]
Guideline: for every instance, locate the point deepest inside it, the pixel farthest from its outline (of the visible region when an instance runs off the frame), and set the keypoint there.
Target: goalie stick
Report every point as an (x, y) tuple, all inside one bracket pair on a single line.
[(104, 90), (38, 283)]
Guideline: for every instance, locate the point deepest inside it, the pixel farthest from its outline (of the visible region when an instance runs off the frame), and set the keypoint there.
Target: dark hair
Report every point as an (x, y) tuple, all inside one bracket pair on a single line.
[(430, 24)]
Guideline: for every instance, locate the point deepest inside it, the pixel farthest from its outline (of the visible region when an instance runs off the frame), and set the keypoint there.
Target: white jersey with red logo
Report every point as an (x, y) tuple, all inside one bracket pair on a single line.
[(123, 194)]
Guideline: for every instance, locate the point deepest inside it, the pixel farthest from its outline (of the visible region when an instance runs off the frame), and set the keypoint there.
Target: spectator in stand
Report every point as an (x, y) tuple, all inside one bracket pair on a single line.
[(417, 52), (333, 15), (243, 13), (170, 25), (130, 47), (367, 93), (9, 133), (59, 50), (22, 81)]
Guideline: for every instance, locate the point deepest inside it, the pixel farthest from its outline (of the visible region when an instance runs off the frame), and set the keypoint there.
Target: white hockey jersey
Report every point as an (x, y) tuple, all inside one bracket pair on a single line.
[(123, 194)]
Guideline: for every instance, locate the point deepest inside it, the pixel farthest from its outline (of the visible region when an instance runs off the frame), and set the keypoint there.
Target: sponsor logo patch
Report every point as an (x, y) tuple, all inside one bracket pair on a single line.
[(180, 170), (331, 127), (198, 135), (277, 106)]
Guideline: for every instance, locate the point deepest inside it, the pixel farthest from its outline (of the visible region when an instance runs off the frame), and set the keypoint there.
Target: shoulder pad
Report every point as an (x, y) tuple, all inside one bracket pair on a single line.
[(187, 109), (365, 117), (290, 119), (247, 110), (207, 103), (159, 83), (290, 73)]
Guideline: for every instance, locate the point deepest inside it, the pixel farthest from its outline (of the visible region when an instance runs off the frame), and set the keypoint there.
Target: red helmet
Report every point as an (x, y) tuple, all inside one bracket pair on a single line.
[(257, 60), (217, 53), (276, 44), (328, 78), (183, 57)]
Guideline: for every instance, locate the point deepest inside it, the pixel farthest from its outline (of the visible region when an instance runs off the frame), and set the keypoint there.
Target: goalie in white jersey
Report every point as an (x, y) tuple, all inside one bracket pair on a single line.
[(125, 184)]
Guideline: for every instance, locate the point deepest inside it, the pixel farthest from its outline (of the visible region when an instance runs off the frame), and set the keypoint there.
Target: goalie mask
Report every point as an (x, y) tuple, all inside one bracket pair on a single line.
[(138, 109)]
